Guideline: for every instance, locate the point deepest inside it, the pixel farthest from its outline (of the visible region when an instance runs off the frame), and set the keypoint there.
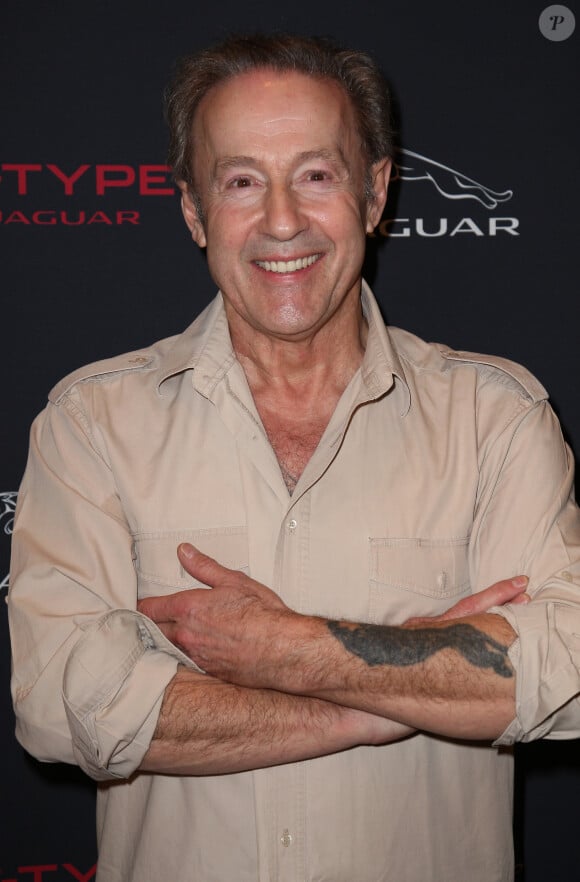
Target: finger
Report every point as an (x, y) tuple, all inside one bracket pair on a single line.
[(169, 629), (154, 608), (165, 608), (174, 633), (202, 567), (505, 591)]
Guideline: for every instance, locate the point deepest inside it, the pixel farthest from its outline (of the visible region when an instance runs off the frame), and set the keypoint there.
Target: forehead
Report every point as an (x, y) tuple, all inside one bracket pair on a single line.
[(274, 108)]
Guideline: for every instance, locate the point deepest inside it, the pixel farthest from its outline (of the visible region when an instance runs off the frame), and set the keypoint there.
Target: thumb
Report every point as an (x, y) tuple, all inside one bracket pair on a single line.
[(202, 567)]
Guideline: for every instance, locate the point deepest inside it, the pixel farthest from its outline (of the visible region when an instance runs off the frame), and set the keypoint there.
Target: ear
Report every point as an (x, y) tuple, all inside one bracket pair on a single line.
[(191, 216), (380, 174)]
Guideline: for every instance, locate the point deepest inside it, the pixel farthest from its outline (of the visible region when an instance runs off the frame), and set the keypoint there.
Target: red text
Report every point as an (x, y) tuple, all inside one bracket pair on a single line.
[(148, 180)]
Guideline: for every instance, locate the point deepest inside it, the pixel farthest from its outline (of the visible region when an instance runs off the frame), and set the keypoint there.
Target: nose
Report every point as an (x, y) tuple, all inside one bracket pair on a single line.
[(283, 217)]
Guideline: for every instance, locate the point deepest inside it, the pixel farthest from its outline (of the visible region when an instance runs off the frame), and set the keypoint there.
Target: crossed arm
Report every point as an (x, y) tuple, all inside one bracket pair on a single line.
[(208, 727), (284, 687)]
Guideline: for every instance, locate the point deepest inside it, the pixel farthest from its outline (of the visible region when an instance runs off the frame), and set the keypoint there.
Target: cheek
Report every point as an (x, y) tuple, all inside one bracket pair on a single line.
[(228, 228), (342, 219)]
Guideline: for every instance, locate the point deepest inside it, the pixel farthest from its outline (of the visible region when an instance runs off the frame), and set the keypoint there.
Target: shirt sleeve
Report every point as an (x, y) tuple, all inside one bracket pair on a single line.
[(527, 522), (89, 672)]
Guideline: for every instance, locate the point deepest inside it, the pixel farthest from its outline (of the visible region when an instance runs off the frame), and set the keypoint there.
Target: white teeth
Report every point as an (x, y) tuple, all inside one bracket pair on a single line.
[(287, 266)]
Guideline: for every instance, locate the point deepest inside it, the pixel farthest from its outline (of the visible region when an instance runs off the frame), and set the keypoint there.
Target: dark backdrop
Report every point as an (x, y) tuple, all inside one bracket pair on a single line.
[(96, 260)]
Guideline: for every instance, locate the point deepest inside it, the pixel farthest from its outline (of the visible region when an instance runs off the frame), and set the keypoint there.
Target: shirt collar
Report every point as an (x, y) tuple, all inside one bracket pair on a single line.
[(381, 366), (205, 348)]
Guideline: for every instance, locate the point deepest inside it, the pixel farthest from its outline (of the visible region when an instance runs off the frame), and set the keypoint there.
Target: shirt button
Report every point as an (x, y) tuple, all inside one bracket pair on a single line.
[(568, 576), (286, 839), (292, 524), (138, 359)]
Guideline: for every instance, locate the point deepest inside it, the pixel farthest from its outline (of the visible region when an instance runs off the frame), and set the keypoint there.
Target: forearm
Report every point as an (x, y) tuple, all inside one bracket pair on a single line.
[(209, 727), (450, 678)]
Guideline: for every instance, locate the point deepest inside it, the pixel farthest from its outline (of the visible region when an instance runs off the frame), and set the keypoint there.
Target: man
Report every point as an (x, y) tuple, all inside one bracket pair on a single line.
[(362, 474)]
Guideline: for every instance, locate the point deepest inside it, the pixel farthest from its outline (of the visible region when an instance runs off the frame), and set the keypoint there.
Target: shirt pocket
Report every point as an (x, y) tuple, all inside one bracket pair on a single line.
[(157, 565), (416, 577)]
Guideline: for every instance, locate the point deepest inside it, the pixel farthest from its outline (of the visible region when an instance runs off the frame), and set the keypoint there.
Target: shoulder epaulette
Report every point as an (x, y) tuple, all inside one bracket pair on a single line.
[(130, 361), (509, 369)]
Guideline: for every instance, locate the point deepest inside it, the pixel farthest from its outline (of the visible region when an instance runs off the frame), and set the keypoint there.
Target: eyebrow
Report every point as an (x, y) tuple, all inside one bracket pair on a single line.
[(232, 161), (229, 162), (332, 156)]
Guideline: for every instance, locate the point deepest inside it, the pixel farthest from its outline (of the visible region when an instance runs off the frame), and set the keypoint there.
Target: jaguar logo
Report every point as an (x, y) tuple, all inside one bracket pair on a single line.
[(448, 182), (7, 509)]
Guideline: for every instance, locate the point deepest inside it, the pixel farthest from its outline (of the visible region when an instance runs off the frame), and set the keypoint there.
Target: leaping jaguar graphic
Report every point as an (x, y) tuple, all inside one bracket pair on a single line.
[(7, 509), (449, 182)]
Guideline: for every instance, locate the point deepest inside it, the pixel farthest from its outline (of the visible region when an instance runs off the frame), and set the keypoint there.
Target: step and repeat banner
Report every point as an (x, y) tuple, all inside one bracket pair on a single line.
[(478, 248)]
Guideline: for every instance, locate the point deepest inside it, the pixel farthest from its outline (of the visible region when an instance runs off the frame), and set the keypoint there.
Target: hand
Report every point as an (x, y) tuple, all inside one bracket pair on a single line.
[(227, 631), (506, 591), (240, 629)]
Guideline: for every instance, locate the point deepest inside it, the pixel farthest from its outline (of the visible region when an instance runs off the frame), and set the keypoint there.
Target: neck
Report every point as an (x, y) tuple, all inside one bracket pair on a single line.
[(324, 360), (296, 384)]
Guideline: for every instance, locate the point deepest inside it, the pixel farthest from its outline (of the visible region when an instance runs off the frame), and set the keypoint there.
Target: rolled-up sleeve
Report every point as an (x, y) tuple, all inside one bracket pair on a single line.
[(546, 657), (89, 672), (528, 523), (113, 686)]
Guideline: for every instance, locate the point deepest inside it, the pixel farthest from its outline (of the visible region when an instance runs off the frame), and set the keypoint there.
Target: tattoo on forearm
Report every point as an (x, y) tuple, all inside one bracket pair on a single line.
[(385, 645)]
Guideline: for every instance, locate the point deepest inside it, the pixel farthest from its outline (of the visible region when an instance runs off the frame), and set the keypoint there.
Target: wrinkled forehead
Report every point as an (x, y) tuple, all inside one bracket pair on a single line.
[(270, 101)]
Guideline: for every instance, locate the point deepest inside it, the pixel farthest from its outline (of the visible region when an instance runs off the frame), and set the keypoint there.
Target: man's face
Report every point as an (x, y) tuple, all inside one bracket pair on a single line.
[(279, 169)]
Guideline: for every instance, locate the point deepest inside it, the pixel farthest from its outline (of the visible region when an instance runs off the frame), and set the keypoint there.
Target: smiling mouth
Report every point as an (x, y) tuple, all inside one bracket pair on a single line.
[(287, 266)]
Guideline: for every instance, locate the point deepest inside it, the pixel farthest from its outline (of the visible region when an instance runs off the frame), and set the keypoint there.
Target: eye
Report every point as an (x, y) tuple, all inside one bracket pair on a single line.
[(318, 175), (240, 182)]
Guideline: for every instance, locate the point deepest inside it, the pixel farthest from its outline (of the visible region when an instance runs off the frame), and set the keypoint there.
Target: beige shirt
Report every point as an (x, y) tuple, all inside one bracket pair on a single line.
[(439, 473)]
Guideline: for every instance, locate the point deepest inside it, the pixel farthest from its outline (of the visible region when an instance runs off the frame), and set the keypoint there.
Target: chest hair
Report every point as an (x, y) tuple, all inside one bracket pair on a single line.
[(293, 442)]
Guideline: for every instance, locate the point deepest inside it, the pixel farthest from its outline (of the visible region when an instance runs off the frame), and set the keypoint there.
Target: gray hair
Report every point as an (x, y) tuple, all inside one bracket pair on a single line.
[(318, 57)]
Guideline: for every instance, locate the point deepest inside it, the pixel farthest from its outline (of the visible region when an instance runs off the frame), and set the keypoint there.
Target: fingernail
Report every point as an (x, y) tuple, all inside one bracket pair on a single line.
[(186, 549), (520, 581), (521, 598)]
